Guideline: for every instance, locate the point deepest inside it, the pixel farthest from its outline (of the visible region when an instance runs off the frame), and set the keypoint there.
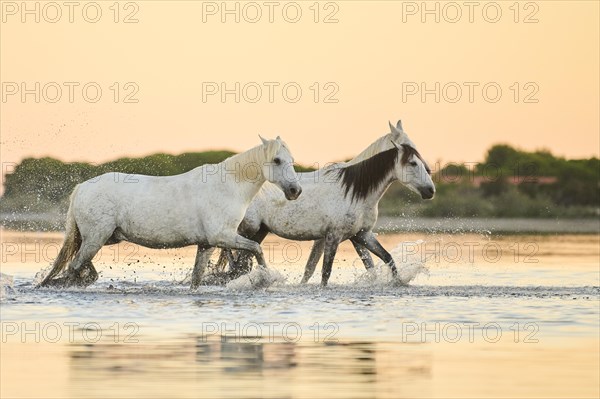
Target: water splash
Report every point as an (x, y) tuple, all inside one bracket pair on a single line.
[(258, 278), (187, 280), (409, 267), (7, 288), (41, 275)]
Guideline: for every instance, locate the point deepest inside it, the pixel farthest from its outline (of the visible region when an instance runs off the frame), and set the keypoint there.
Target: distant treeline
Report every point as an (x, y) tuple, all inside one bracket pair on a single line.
[(509, 183)]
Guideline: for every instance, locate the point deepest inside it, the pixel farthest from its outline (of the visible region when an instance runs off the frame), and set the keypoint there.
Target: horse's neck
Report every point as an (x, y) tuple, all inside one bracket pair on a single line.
[(373, 198), (237, 178), (248, 190)]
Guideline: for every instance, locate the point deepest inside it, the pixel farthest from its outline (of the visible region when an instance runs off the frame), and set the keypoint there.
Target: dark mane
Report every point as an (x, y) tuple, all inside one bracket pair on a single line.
[(364, 177)]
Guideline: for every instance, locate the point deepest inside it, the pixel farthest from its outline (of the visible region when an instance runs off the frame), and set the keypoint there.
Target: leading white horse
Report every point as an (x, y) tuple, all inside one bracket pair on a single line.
[(340, 202), (201, 207)]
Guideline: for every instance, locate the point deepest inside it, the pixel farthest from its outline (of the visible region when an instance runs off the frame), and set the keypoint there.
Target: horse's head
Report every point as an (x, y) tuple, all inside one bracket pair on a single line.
[(278, 167), (411, 169)]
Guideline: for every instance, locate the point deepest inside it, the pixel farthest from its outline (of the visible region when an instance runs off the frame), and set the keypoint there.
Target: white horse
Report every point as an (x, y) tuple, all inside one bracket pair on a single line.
[(340, 202), (201, 207)]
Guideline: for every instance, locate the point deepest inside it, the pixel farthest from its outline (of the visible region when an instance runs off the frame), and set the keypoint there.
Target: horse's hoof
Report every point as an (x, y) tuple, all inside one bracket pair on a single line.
[(80, 279), (58, 282)]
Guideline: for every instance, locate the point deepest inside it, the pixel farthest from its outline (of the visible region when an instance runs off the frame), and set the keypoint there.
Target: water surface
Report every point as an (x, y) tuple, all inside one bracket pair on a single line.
[(496, 316)]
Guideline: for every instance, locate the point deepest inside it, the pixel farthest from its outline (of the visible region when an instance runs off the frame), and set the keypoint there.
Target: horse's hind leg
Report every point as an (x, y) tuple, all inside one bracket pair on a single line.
[(81, 271), (87, 274)]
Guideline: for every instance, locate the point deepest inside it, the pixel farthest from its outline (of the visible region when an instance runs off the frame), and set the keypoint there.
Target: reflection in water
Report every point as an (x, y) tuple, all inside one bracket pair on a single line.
[(245, 357), (229, 367)]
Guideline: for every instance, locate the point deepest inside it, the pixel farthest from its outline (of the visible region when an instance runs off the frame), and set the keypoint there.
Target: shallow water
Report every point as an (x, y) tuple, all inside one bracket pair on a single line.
[(484, 315)]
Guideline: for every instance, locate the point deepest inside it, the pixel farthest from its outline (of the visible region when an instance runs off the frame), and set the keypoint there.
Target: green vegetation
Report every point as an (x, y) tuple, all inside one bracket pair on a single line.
[(509, 183)]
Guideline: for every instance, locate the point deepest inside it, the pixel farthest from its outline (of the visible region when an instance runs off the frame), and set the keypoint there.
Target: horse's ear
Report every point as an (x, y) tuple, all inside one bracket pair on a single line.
[(278, 138), (264, 141), (397, 133)]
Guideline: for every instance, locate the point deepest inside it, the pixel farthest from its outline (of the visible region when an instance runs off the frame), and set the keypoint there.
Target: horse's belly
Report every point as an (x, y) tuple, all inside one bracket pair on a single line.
[(300, 229), (155, 240), (299, 235), (154, 231)]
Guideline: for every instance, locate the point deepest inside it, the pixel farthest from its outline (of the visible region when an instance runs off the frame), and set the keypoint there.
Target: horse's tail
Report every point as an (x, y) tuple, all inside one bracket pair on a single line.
[(71, 244)]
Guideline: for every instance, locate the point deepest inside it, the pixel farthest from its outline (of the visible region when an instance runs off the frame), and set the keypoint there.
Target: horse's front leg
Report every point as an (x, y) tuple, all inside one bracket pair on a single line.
[(313, 259), (331, 245), (243, 263), (368, 240), (242, 243), (225, 259), (364, 255), (202, 258)]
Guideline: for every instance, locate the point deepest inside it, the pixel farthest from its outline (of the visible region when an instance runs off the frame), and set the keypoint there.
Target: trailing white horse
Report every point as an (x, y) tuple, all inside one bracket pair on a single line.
[(340, 202), (201, 207)]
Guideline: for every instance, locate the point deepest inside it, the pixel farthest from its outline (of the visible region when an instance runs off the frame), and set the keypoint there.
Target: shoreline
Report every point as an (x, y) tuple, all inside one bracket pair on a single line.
[(394, 224), (385, 224)]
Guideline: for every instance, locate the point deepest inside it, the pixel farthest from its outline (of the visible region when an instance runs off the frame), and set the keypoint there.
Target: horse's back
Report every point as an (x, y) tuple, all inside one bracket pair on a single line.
[(321, 207), (149, 210)]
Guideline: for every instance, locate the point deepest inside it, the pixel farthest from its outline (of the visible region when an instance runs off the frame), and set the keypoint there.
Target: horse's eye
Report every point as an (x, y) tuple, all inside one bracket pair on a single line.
[(277, 161), (413, 163)]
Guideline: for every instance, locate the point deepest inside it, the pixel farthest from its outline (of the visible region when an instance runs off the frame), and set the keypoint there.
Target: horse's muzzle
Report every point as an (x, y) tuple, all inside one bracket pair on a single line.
[(427, 192), (293, 193)]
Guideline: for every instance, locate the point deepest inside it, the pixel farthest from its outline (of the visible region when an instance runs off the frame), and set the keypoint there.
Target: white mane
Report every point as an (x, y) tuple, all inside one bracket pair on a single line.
[(260, 153), (381, 144), (256, 156)]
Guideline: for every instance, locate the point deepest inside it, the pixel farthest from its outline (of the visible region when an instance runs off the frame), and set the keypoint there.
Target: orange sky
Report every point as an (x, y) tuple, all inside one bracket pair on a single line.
[(371, 54)]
